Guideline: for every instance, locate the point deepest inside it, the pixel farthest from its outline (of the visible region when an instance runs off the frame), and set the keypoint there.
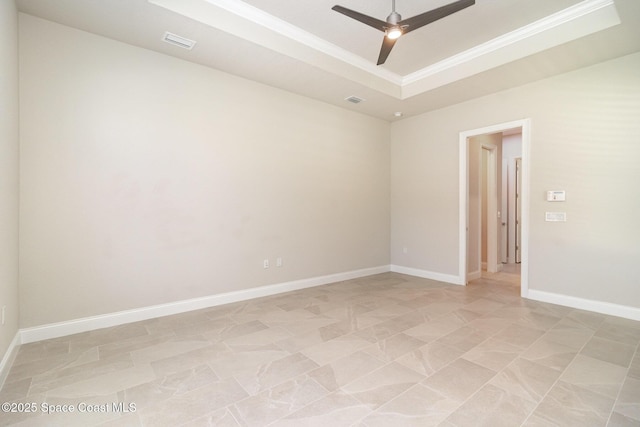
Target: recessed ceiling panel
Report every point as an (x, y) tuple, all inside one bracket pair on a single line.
[(461, 31)]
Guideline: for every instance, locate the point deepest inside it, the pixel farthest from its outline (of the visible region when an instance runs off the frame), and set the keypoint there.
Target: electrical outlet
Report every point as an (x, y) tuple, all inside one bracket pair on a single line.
[(265, 263), (279, 262)]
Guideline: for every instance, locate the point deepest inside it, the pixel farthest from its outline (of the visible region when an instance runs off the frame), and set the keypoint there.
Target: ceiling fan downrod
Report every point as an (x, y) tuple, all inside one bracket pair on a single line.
[(393, 17)]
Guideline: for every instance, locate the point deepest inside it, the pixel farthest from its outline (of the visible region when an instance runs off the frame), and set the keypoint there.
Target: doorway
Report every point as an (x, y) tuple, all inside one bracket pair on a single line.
[(471, 206)]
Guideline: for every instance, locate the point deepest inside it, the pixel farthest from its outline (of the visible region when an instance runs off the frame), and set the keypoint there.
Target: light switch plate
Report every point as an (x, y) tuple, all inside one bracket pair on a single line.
[(555, 216), (556, 196)]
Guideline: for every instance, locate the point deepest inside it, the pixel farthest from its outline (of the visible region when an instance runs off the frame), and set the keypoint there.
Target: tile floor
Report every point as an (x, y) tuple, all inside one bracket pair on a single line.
[(386, 350)]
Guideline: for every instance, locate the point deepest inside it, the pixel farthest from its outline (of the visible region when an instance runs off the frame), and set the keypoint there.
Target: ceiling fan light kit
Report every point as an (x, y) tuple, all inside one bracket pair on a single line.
[(394, 33), (395, 26)]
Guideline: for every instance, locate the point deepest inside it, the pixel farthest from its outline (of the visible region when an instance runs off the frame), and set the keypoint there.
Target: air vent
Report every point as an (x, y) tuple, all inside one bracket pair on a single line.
[(354, 99), (178, 41)]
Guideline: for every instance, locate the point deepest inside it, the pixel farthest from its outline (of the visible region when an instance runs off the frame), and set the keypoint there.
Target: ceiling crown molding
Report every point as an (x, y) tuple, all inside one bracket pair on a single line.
[(582, 19), (286, 29), (255, 25)]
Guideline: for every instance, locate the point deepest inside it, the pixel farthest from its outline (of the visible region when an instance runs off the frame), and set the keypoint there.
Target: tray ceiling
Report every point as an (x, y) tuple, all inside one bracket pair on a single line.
[(306, 48)]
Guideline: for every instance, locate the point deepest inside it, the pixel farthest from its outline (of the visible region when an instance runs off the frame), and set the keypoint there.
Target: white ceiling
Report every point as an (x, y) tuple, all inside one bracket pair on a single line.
[(306, 48)]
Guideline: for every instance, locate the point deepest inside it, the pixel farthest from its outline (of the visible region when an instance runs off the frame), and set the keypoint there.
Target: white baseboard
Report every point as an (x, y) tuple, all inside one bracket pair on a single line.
[(485, 267), (473, 275), (441, 277), (9, 357), (602, 307), (60, 329)]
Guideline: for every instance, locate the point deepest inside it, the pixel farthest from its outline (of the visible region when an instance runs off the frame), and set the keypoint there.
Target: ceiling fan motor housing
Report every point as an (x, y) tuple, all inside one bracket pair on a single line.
[(394, 18)]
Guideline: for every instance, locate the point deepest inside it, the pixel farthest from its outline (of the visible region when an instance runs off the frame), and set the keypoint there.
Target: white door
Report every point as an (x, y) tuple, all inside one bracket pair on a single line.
[(504, 213), (491, 210), (518, 209), (479, 148)]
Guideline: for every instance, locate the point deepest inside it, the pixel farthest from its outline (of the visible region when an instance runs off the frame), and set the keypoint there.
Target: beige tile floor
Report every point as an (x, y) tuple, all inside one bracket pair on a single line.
[(386, 350)]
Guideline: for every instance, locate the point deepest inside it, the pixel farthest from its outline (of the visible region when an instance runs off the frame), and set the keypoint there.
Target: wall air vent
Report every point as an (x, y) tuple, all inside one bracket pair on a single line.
[(178, 41), (354, 99)]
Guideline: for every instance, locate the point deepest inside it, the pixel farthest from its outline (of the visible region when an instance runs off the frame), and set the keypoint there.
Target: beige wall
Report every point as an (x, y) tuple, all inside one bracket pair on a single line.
[(585, 140), (8, 172), (147, 179)]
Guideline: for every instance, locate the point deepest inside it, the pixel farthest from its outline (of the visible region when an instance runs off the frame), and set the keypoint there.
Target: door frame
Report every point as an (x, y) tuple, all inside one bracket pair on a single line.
[(525, 125)]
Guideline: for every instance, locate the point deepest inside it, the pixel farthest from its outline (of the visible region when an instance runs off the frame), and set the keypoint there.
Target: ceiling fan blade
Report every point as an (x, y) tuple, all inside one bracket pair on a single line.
[(385, 50), (368, 20), (423, 19)]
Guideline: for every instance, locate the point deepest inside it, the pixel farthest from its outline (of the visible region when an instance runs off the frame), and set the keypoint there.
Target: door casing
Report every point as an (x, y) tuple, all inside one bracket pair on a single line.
[(525, 126)]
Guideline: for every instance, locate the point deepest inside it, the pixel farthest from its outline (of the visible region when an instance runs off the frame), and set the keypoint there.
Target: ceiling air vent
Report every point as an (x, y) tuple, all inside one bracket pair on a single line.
[(178, 41), (354, 99)]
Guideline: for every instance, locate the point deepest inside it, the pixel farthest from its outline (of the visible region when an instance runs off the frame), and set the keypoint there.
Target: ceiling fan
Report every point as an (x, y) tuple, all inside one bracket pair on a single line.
[(395, 26)]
